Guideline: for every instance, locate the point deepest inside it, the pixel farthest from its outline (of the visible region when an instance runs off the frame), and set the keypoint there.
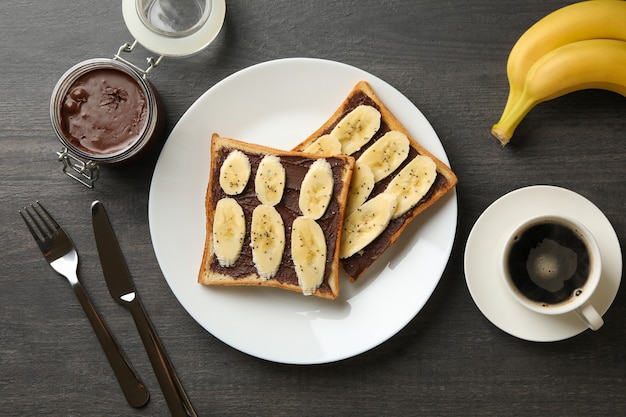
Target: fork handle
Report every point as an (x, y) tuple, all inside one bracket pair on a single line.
[(134, 389)]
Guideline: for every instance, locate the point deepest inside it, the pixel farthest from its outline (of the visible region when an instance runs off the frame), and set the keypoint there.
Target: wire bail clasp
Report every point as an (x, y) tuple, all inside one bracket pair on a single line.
[(128, 48), (85, 172)]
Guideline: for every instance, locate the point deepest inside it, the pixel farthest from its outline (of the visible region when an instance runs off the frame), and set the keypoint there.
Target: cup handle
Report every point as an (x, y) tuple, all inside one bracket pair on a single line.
[(590, 316)]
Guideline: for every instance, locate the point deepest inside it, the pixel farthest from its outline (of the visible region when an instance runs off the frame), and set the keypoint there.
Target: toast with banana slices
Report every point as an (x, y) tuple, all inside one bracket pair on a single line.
[(274, 218), (395, 178)]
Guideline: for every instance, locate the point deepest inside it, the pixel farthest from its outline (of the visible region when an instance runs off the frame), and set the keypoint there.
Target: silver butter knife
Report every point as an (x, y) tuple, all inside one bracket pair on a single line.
[(123, 291)]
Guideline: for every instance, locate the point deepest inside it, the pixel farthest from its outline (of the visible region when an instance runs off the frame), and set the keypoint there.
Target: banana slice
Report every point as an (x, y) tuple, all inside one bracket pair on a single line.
[(229, 229), (357, 128), (361, 186), (316, 189), (324, 145), (308, 252), (267, 239), (269, 182), (412, 183), (366, 223), (384, 156), (235, 172)]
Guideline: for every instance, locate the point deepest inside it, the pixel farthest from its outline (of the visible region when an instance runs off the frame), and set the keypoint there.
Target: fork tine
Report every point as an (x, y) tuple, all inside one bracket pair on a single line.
[(29, 224), (37, 221), (50, 219), (46, 225)]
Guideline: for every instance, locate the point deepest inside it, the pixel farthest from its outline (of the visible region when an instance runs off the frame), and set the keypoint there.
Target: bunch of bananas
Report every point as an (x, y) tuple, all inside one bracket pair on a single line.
[(580, 46)]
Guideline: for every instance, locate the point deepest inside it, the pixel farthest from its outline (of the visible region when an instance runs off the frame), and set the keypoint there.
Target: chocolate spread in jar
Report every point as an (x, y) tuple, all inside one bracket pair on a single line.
[(104, 112)]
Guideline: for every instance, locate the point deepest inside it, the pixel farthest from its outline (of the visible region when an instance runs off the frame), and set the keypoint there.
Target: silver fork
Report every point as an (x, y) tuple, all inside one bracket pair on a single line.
[(59, 251)]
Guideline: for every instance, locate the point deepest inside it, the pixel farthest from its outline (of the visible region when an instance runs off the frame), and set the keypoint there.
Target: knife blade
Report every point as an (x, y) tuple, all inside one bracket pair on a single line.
[(122, 289)]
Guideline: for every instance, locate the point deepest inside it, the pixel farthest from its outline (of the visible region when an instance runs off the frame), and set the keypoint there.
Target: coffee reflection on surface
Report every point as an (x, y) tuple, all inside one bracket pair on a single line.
[(549, 263)]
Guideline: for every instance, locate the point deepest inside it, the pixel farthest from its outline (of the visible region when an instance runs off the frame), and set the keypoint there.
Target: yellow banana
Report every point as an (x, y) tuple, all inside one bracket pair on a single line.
[(588, 64), (600, 19)]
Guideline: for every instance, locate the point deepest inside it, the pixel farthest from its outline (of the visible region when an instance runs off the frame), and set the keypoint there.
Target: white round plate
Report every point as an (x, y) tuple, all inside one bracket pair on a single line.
[(487, 237), (279, 103)]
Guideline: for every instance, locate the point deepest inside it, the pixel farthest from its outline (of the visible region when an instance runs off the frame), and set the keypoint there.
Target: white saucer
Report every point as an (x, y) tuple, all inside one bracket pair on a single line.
[(487, 236)]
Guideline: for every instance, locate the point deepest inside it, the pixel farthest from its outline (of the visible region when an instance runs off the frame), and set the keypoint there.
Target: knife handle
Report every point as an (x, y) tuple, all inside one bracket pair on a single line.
[(173, 391), (133, 388)]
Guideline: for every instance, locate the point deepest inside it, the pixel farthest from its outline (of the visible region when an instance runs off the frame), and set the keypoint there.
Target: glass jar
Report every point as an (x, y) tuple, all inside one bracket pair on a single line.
[(104, 110)]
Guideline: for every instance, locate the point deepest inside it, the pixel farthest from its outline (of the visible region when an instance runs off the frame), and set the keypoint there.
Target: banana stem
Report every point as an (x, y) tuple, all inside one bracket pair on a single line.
[(512, 98), (503, 130)]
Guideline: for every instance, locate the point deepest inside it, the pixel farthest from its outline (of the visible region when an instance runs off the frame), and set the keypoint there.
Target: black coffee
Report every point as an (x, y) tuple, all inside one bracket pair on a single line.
[(549, 263)]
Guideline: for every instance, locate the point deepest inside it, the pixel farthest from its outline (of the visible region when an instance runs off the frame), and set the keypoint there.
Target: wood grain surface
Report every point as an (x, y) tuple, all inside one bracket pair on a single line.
[(449, 59)]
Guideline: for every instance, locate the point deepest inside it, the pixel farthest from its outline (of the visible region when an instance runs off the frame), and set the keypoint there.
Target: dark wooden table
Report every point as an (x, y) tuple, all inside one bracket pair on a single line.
[(447, 57)]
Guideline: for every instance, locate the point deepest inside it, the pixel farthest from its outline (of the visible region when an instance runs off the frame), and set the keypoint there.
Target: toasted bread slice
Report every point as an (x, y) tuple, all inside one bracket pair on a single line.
[(445, 179), (246, 269)]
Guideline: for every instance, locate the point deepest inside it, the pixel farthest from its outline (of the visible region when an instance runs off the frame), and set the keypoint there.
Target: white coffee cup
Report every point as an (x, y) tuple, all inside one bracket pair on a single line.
[(552, 265)]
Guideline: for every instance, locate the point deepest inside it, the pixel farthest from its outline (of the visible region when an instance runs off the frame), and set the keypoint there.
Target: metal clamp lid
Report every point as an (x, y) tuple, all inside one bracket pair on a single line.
[(174, 27)]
